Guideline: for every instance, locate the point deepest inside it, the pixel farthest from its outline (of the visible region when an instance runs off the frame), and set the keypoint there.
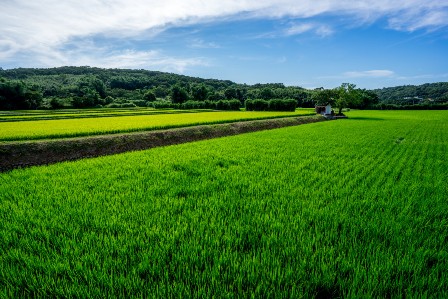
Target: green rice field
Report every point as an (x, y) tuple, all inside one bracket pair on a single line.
[(75, 127), (23, 115), (354, 208)]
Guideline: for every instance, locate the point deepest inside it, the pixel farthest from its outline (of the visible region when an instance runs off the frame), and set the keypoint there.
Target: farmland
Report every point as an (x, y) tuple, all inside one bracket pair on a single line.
[(22, 115), (349, 208), (75, 127)]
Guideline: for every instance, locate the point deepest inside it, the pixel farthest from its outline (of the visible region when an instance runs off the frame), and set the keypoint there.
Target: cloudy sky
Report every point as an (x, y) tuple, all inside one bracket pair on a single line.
[(308, 43)]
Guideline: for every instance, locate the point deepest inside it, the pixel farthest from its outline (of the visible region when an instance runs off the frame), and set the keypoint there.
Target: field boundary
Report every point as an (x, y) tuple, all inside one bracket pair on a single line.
[(24, 154)]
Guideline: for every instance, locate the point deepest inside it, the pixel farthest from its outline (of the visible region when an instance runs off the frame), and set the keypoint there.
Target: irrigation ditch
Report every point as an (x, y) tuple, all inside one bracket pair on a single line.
[(32, 153)]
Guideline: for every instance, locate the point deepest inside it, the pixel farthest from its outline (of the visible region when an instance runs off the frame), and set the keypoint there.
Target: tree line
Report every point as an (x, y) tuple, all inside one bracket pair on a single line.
[(83, 87)]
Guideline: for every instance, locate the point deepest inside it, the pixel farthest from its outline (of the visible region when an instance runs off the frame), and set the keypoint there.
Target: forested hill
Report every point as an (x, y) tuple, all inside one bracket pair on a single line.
[(412, 94), (80, 87), (117, 78), (84, 86)]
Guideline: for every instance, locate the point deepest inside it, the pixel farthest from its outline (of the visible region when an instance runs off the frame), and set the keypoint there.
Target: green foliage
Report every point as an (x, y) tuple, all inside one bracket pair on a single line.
[(128, 105), (178, 94), (412, 94), (323, 97), (271, 105), (131, 85), (15, 95), (82, 83), (149, 96), (199, 92), (235, 93), (140, 103), (266, 94), (163, 105), (282, 105), (193, 105), (256, 105), (216, 96), (234, 104), (54, 103), (268, 214), (347, 96)]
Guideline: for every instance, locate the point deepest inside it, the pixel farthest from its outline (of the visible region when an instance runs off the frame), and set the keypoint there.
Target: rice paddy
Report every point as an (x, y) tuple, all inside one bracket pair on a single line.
[(352, 208), (76, 127)]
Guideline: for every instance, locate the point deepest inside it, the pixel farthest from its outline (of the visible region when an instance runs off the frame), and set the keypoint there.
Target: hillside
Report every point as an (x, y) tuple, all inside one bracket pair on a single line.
[(82, 87), (412, 94)]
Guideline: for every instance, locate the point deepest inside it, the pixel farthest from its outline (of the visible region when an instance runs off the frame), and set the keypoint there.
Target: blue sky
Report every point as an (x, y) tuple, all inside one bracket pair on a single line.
[(308, 43)]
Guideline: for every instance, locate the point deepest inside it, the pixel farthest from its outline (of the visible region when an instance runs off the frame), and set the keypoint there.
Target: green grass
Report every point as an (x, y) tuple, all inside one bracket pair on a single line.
[(63, 128), (352, 208)]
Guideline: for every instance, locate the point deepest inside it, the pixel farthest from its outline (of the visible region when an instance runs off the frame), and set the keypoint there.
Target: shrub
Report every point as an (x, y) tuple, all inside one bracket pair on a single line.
[(234, 105), (193, 105), (113, 105), (271, 105), (128, 105), (222, 105), (163, 105), (139, 103), (256, 105)]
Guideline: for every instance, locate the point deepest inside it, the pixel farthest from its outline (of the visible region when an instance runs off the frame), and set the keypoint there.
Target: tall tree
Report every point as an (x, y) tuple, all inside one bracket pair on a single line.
[(199, 92), (323, 97), (348, 96), (178, 94), (18, 95), (149, 96)]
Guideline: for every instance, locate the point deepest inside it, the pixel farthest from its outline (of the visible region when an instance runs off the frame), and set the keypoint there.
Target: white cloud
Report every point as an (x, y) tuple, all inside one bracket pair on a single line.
[(414, 19), (299, 29), (201, 44), (369, 74), (147, 60), (86, 53), (319, 29), (39, 27)]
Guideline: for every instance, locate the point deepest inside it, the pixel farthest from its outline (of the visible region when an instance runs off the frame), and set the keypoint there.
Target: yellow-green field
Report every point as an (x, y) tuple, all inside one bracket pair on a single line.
[(21, 115), (62, 128)]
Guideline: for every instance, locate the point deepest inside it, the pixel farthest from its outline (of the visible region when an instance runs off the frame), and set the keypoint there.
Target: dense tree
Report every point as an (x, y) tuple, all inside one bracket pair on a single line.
[(149, 96), (368, 98), (178, 94), (18, 95), (199, 92), (234, 93), (91, 83), (216, 96), (411, 94), (266, 93)]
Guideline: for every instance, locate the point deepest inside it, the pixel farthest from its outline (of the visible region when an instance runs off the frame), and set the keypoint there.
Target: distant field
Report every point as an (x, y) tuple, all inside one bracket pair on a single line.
[(62, 128), (27, 115), (352, 208)]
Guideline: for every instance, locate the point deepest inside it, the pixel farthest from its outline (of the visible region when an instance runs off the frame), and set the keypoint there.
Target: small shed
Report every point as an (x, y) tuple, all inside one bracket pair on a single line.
[(324, 110)]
